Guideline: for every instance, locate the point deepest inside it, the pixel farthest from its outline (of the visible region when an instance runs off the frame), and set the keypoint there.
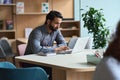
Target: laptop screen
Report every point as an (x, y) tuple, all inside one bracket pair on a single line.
[(80, 44)]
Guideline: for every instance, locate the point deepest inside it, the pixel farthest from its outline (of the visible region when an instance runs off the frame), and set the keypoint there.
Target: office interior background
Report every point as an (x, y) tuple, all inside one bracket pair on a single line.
[(111, 13), (110, 8)]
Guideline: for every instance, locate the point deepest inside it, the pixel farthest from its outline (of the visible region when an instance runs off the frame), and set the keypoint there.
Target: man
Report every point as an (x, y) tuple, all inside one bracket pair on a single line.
[(42, 38)]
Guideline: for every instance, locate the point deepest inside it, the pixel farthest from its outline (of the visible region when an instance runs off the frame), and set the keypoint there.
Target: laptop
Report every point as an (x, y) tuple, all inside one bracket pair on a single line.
[(78, 47)]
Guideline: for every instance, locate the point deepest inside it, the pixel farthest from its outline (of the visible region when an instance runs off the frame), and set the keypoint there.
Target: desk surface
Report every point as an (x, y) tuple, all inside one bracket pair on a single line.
[(76, 62), (23, 40)]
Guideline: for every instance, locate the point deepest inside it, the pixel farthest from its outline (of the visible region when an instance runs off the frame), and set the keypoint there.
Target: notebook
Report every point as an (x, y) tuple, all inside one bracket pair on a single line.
[(79, 46), (46, 54)]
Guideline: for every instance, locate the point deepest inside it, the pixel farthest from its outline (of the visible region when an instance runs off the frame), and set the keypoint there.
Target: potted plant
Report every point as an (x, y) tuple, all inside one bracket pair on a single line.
[(94, 21)]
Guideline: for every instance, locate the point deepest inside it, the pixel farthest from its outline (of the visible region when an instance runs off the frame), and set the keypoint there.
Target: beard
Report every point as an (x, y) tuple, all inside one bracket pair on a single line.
[(52, 28)]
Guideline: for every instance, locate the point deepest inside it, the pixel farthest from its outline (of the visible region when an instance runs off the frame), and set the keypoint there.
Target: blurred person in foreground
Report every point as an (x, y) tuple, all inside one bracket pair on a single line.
[(109, 67)]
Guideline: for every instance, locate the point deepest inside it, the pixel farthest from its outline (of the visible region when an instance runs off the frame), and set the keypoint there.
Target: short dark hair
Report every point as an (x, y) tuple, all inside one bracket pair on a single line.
[(52, 14)]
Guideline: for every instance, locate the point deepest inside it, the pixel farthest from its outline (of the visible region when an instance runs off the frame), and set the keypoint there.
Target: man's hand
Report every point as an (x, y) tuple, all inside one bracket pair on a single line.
[(61, 48)]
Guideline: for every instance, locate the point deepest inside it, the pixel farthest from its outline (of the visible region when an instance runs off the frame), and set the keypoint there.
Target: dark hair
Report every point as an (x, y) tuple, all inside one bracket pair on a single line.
[(52, 14), (114, 47)]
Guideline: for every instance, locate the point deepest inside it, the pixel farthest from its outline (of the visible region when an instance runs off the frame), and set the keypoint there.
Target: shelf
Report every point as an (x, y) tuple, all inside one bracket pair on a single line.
[(31, 13), (69, 29), (7, 18), (7, 4), (69, 21), (7, 30), (10, 34)]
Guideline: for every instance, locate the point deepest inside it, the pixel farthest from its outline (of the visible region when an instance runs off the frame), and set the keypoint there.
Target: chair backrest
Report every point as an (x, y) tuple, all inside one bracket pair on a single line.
[(21, 49), (72, 42), (2, 54), (31, 73), (6, 65), (6, 47)]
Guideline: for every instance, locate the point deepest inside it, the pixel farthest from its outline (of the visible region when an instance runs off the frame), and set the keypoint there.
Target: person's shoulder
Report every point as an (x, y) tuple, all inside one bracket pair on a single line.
[(110, 61), (57, 31), (38, 28)]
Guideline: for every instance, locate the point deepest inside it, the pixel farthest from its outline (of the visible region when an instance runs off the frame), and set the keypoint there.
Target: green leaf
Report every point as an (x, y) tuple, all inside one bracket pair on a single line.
[(94, 21)]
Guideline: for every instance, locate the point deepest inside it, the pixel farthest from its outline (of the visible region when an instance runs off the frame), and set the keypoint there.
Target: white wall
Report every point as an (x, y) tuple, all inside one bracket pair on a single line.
[(76, 10), (111, 10)]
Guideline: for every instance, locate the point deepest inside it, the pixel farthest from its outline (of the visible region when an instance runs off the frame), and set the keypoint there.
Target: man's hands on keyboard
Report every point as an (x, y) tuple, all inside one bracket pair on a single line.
[(65, 52), (61, 48)]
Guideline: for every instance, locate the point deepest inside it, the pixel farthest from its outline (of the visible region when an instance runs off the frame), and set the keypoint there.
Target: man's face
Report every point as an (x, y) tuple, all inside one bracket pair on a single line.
[(55, 24)]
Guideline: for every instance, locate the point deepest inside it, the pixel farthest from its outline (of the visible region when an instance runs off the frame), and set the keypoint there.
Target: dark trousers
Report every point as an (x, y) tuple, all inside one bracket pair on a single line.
[(47, 69)]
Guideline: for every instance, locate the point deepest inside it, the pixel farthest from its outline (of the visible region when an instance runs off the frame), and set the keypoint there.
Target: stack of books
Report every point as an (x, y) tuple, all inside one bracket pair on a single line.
[(7, 1), (9, 24)]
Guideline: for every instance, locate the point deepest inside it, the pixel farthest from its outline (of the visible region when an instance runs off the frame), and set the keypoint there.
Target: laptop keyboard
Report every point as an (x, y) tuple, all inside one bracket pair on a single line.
[(65, 52)]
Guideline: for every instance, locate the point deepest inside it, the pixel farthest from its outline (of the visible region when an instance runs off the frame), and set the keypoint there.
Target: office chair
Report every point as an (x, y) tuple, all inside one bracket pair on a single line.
[(9, 72), (6, 65), (72, 42), (21, 49), (2, 54), (7, 49)]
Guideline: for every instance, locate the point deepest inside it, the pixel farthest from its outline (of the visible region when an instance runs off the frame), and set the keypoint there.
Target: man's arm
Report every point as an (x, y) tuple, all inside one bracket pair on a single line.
[(60, 39), (35, 43)]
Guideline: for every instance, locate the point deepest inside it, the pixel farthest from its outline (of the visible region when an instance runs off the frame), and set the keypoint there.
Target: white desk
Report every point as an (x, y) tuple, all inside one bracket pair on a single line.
[(65, 67)]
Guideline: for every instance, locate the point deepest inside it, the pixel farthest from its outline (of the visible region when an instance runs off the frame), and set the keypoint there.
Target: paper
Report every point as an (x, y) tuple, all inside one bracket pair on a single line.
[(45, 7), (46, 54), (20, 7), (27, 32)]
